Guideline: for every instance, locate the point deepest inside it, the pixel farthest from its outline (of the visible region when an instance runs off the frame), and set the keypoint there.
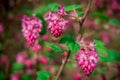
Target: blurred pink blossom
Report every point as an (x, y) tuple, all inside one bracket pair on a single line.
[(77, 76), (29, 63), (1, 28), (20, 58), (98, 3), (90, 24), (51, 69), (65, 53), (115, 5), (43, 60), (30, 71), (3, 59), (109, 12), (37, 48), (105, 37), (45, 37), (14, 77)]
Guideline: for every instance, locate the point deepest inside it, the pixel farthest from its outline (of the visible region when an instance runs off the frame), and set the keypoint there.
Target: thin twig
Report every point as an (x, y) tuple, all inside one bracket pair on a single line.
[(81, 21), (63, 64)]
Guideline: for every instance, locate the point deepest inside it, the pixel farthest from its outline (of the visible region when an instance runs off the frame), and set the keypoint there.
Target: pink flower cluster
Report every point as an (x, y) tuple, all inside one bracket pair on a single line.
[(87, 57), (56, 23), (15, 76), (31, 28)]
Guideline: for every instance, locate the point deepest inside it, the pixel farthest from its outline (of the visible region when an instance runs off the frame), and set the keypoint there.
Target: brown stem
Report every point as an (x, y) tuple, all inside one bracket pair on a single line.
[(81, 21), (63, 64)]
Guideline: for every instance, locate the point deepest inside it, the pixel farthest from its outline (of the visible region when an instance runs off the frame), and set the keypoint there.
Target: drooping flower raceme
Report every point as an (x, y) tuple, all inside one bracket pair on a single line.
[(30, 29), (56, 23), (87, 57)]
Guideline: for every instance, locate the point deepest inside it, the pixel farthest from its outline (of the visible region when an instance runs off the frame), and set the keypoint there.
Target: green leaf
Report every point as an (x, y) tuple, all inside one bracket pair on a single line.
[(106, 55), (53, 7), (26, 77), (102, 70), (43, 75), (27, 10), (49, 55), (94, 72), (73, 7), (44, 24), (66, 39), (99, 45), (73, 46), (101, 49), (80, 13), (54, 47), (41, 9), (70, 42), (2, 76), (101, 15), (113, 56), (115, 22), (54, 78), (17, 66)]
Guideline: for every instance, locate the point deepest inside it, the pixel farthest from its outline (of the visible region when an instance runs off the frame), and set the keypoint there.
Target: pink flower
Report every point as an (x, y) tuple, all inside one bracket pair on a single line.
[(43, 60), (90, 24), (30, 71), (77, 76), (31, 28), (98, 3), (28, 63), (3, 59), (105, 37), (115, 5), (61, 11), (109, 12), (36, 48), (45, 37), (15, 77), (56, 23), (87, 57), (20, 58), (1, 27), (51, 69)]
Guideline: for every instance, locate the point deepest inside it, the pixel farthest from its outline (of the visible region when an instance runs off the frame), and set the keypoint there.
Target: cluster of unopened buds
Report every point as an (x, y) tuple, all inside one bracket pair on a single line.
[(56, 23), (87, 57)]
